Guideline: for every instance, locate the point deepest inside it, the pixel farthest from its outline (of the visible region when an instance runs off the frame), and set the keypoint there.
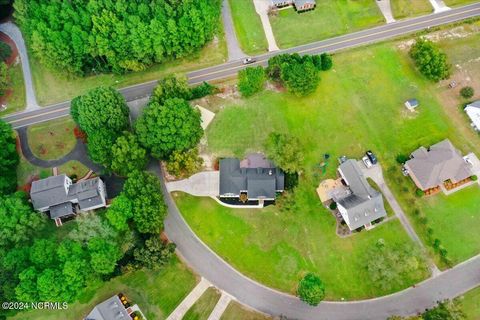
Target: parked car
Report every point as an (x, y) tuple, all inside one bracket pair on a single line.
[(367, 162), (405, 171), (249, 60), (372, 157)]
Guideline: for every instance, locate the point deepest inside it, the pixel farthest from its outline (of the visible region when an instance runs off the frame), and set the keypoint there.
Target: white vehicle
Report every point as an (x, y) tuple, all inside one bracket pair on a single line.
[(367, 162), (249, 60)]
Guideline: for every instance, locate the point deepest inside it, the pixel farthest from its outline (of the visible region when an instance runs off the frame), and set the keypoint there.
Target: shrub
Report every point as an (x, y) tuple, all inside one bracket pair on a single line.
[(311, 289), (327, 61), (474, 178), (333, 206), (420, 193), (430, 60), (467, 92), (251, 80), (205, 89), (291, 180), (401, 158), (184, 164), (5, 51)]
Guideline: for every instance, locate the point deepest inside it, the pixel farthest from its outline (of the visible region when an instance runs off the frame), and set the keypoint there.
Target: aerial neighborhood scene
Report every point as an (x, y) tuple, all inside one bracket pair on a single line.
[(240, 159)]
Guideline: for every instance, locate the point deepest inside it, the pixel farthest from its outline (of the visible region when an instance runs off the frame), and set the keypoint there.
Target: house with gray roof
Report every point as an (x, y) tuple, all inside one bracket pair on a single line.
[(473, 112), (299, 5), (255, 182), (114, 309), (362, 204), (432, 167), (61, 198)]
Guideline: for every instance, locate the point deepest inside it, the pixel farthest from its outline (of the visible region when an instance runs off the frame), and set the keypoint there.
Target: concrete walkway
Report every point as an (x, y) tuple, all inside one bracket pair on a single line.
[(262, 6), (202, 184), (376, 174), (189, 300), (438, 6), (220, 307), (386, 9), (11, 30), (233, 47)]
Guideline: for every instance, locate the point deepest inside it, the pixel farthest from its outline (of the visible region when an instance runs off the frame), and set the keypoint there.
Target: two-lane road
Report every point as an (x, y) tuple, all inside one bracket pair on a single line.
[(231, 68)]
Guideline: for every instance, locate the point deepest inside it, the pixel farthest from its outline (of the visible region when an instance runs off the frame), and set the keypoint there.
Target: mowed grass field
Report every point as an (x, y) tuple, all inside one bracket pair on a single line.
[(52, 139), (236, 311), (458, 2), (16, 100), (248, 27), (157, 293), (203, 307), (277, 248), (410, 8), (329, 19), (471, 304)]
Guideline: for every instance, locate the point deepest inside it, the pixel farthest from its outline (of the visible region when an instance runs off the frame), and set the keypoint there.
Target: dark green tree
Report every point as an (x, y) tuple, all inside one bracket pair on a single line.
[(467, 92), (327, 61), (99, 146), (301, 79), (127, 155), (430, 60), (149, 210), (285, 150), (154, 254), (5, 51), (311, 289), (104, 255), (171, 87), (174, 126), (120, 212), (8, 159), (101, 108), (446, 310), (251, 80), (4, 83)]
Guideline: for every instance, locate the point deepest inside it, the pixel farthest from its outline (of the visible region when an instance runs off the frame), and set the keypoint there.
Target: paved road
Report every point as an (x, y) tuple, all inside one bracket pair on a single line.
[(14, 33), (203, 260), (231, 68)]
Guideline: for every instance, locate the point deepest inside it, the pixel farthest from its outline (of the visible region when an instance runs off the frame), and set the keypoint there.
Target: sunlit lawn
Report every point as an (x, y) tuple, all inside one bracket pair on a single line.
[(236, 311), (410, 8), (471, 304), (73, 168), (329, 19), (203, 307)]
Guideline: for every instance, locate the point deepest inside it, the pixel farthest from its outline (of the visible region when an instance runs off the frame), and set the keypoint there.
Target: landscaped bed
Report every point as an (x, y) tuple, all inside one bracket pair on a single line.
[(157, 293), (410, 8), (52, 139), (329, 19)]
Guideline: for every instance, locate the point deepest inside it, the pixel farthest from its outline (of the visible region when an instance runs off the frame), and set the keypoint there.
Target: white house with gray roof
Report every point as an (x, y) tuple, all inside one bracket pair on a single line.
[(473, 112), (299, 5), (114, 309), (60, 197), (362, 204), (430, 168)]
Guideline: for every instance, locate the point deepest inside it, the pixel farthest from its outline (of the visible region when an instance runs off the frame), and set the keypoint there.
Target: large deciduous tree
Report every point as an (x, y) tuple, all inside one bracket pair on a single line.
[(154, 254), (430, 60), (99, 146), (8, 159), (285, 150), (251, 80), (171, 87), (92, 36), (120, 212), (174, 126), (127, 154)]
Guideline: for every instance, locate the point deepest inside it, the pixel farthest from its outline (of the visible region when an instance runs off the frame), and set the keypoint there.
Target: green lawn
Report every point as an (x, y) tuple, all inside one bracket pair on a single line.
[(410, 8), (52, 87), (458, 2), (248, 27), (236, 311), (277, 248), (202, 309), (471, 304), (157, 293), (73, 167), (27, 172), (52, 139), (329, 19), (16, 102)]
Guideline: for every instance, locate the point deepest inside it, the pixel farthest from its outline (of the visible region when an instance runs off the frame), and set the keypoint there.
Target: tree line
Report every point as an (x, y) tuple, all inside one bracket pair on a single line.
[(85, 36)]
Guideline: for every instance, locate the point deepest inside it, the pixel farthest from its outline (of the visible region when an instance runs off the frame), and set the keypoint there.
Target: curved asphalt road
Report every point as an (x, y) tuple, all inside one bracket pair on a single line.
[(230, 69), (202, 259)]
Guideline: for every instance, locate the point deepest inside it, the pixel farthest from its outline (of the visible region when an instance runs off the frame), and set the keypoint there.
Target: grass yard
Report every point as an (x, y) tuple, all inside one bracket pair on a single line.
[(471, 304), (157, 293), (16, 100), (27, 172), (410, 8), (453, 3), (329, 19), (277, 248), (202, 309), (52, 87), (236, 311), (248, 27), (73, 167), (52, 139)]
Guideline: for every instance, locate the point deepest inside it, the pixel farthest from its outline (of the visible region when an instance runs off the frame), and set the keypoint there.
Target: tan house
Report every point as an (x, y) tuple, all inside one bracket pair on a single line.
[(441, 163)]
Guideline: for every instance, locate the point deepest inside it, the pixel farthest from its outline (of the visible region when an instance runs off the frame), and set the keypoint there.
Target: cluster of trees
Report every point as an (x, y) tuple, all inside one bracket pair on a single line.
[(5, 52), (430, 60), (8, 159), (391, 267), (311, 289), (285, 151), (251, 80), (299, 74), (445, 310), (103, 35)]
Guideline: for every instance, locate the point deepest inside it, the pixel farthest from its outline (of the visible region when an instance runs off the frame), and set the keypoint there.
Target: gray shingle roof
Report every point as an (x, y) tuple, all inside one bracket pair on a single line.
[(475, 104), (364, 204), (110, 309), (61, 210), (430, 168), (258, 182), (300, 3)]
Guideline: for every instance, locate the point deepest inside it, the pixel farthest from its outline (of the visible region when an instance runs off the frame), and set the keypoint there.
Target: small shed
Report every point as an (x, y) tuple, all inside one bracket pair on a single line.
[(411, 104)]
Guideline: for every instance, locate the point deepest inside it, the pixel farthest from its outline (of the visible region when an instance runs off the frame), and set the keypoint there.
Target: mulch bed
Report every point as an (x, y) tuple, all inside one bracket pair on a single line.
[(10, 61)]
